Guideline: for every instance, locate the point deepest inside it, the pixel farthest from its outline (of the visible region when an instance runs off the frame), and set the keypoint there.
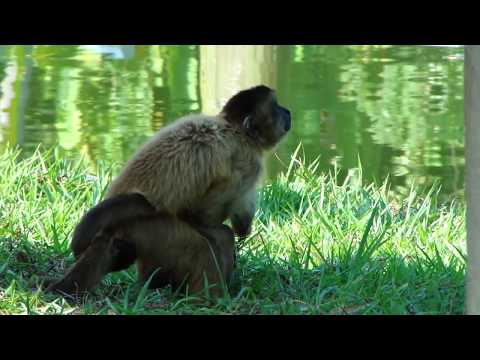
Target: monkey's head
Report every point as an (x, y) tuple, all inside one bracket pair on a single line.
[(258, 112)]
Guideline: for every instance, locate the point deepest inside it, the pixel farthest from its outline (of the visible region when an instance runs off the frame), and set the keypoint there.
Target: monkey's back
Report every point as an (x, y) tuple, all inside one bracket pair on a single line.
[(176, 168)]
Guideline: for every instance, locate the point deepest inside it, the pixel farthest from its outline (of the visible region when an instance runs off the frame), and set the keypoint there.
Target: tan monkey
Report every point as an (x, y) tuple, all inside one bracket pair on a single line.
[(203, 169), (178, 252)]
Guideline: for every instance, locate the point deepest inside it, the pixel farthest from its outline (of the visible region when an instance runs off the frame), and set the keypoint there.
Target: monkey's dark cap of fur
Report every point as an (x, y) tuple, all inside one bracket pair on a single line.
[(245, 101)]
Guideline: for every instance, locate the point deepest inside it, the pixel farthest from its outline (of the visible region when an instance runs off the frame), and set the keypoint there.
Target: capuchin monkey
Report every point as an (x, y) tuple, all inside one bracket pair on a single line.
[(182, 256), (167, 206), (201, 170)]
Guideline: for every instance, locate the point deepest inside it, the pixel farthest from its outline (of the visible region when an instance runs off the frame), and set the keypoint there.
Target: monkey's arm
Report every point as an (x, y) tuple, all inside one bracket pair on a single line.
[(242, 213)]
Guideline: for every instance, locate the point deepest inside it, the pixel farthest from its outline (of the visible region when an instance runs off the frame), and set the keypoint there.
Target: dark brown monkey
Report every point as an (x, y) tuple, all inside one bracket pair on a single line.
[(157, 242), (108, 213), (204, 169)]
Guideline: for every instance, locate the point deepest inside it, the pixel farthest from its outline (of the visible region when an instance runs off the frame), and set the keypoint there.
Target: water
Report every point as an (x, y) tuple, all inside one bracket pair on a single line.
[(397, 109)]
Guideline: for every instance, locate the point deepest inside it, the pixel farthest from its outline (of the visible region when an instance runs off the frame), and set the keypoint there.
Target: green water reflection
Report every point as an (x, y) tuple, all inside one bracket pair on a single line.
[(399, 109)]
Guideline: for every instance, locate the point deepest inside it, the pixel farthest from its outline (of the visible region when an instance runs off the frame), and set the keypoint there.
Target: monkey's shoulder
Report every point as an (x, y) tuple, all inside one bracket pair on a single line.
[(196, 130), (195, 136)]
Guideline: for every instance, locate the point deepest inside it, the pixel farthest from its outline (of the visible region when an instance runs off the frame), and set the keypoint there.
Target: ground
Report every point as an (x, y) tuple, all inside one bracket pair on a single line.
[(319, 246)]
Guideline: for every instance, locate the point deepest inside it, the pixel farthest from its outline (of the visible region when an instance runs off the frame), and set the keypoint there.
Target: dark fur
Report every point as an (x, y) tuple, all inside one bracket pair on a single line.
[(108, 213), (179, 251)]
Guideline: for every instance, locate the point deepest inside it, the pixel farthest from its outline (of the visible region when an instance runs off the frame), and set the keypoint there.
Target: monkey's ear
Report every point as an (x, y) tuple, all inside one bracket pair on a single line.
[(247, 122)]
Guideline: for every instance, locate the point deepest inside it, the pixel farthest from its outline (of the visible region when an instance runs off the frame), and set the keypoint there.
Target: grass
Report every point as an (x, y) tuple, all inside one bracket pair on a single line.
[(318, 247)]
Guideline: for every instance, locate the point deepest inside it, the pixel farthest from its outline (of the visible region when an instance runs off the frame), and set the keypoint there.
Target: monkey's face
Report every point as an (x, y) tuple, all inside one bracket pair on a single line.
[(258, 111), (271, 122)]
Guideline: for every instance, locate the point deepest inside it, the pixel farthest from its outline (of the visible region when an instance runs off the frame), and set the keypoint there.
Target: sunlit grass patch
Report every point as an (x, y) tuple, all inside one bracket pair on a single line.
[(319, 246)]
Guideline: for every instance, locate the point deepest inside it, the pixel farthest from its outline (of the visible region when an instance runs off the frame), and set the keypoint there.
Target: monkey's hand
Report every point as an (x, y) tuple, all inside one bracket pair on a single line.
[(242, 226), (242, 213)]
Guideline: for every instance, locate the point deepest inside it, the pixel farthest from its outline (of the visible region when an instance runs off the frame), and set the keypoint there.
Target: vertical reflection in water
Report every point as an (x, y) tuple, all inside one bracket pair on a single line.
[(24, 93), (182, 77), (68, 120), (227, 69), (7, 95), (15, 90)]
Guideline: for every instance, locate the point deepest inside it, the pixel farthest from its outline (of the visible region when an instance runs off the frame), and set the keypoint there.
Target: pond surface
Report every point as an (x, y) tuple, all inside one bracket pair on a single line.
[(399, 109)]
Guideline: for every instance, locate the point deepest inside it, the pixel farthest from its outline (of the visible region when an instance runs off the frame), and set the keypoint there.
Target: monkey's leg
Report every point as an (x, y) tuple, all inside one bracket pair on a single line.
[(198, 254), (221, 239), (124, 254), (154, 270), (104, 255), (219, 262), (187, 272), (87, 271)]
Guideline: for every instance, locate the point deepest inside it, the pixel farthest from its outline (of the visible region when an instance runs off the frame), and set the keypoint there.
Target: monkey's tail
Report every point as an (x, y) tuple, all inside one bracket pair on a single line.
[(108, 213)]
